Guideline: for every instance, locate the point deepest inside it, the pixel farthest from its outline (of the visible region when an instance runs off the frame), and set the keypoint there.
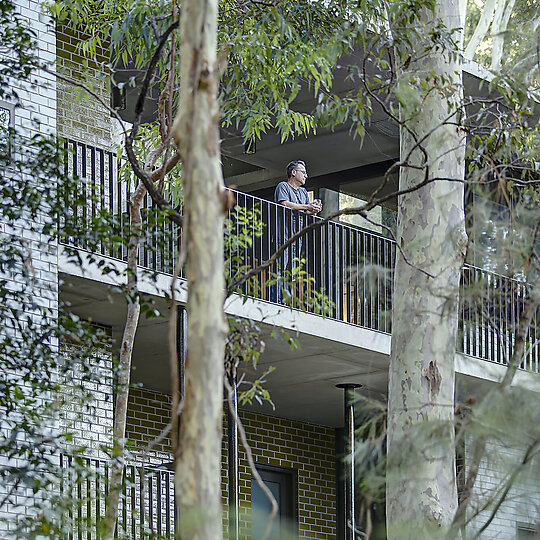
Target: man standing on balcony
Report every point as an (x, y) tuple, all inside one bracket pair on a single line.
[(292, 194)]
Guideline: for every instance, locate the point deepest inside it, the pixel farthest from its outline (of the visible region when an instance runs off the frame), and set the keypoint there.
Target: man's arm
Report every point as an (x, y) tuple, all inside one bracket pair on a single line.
[(311, 208)]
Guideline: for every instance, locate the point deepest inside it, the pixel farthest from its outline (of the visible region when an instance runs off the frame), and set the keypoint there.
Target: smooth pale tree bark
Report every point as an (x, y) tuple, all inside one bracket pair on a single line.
[(421, 487), (481, 28), (498, 29), (198, 459)]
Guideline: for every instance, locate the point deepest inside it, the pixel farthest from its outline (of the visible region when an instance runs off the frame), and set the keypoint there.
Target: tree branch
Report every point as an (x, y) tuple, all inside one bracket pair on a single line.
[(362, 210), (147, 180), (251, 461)]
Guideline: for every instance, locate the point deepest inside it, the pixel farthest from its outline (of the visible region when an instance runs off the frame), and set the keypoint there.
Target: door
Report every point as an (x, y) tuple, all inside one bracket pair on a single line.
[(282, 484)]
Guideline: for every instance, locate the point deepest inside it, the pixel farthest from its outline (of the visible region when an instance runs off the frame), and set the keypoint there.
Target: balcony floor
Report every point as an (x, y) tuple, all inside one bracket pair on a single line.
[(303, 383)]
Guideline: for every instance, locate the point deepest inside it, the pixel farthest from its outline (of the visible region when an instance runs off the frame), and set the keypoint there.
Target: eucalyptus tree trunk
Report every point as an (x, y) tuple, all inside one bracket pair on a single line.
[(124, 364), (421, 487), (481, 28), (498, 30), (198, 459)]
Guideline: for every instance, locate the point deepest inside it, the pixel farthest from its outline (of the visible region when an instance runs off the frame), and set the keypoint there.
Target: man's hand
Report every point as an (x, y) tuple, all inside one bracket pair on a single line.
[(314, 207)]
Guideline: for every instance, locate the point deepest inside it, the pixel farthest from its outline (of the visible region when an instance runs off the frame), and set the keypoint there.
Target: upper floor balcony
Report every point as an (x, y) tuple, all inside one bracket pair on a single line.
[(351, 266)]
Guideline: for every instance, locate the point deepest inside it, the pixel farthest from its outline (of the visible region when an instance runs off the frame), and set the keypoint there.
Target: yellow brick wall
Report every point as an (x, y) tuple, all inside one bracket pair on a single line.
[(306, 448), (148, 415)]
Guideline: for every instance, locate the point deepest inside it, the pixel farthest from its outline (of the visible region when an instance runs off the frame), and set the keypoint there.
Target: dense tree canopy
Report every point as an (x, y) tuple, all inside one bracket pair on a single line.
[(266, 55)]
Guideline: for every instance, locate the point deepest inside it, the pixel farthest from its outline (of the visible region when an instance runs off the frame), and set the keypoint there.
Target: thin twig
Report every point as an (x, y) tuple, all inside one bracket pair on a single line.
[(251, 461), (157, 197), (321, 222)]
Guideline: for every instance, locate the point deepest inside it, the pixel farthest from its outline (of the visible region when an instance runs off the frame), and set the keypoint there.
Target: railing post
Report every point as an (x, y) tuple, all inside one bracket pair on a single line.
[(232, 433), (181, 345), (349, 465)]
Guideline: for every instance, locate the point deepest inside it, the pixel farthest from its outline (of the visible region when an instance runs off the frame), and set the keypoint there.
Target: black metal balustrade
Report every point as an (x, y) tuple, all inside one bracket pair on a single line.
[(146, 509), (352, 267)]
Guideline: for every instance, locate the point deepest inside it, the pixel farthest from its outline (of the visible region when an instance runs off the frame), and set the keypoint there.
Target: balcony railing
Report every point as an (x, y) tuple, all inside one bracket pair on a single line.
[(146, 508), (352, 267)]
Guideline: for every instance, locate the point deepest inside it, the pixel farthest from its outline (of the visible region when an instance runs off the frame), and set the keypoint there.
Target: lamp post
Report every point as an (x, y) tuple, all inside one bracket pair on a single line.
[(232, 432), (349, 468)]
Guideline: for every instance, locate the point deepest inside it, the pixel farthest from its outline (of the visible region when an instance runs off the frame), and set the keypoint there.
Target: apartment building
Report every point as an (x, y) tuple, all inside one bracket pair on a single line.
[(299, 443)]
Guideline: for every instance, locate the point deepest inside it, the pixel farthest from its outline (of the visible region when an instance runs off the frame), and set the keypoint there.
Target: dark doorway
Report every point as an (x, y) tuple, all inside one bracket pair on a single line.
[(282, 484)]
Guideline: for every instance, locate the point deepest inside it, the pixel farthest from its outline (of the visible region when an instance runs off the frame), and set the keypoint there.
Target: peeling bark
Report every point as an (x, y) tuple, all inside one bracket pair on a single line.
[(421, 486), (196, 132)]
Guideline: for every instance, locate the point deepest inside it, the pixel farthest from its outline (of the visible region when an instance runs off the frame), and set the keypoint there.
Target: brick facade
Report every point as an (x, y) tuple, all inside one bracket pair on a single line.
[(87, 414), (522, 504), (148, 414), (36, 114), (80, 116), (308, 449)]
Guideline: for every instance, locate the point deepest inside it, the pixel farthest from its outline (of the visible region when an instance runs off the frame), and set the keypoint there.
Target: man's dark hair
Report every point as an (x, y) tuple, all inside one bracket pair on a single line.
[(293, 166)]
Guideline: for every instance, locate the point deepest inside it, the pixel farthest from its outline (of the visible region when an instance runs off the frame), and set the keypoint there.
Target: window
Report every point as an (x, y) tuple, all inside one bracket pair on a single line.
[(526, 531), (382, 220), (282, 483)]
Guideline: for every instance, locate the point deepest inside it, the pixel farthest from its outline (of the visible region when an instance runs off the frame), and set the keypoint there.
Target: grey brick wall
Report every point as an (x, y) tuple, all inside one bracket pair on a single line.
[(87, 414)]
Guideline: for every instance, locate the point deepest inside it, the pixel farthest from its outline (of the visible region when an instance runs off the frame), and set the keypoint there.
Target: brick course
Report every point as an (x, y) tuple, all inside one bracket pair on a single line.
[(81, 116), (306, 448), (522, 504)]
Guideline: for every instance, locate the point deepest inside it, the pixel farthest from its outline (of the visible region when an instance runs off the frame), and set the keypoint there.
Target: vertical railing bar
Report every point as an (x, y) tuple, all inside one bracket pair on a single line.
[(98, 468), (150, 479), (77, 209), (387, 278), (380, 260), (141, 507), (350, 270), (370, 286), (89, 506), (79, 510), (362, 283), (269, 234), (482, 318), (160, 509), (168, 505)]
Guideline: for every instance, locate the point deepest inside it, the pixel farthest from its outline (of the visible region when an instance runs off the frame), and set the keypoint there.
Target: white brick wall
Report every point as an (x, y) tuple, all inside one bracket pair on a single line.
[(88, 412), (522, 504), (38, 104), (80, 116)]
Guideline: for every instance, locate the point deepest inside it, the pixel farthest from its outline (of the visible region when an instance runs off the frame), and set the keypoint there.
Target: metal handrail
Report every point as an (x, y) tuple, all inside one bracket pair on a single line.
[(351, 266), (144, 505)]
